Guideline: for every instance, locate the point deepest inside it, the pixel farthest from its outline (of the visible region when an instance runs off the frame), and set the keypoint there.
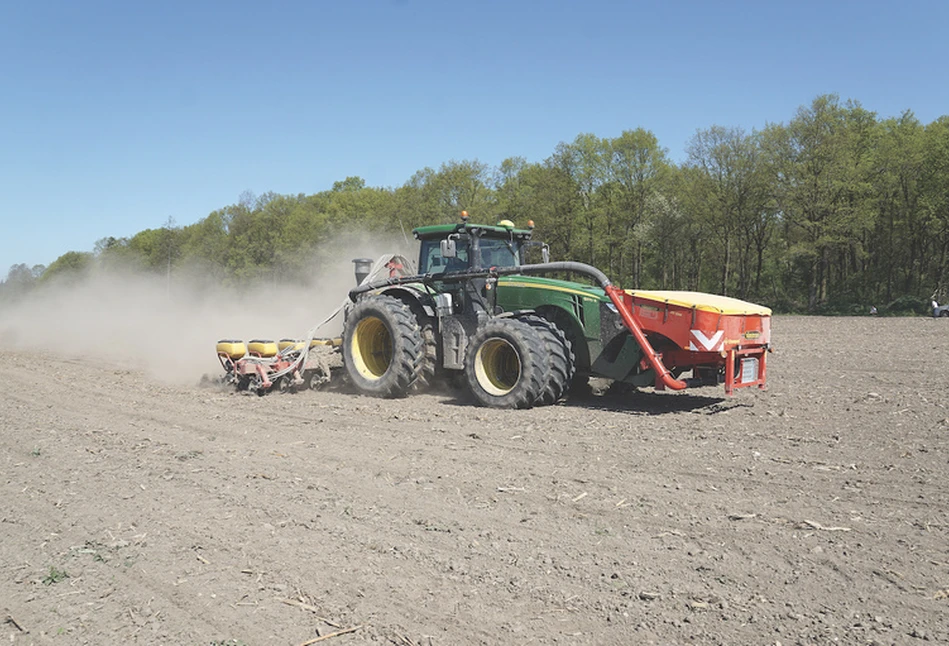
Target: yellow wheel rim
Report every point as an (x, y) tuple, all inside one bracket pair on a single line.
[(497, 367), (372, 348)]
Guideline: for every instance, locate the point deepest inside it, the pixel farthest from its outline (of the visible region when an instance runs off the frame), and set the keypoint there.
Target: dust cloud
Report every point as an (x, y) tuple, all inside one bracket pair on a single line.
[(168, 326)]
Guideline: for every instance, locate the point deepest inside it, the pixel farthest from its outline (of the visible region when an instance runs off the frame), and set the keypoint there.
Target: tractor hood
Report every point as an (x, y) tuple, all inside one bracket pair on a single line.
[(568, 286)]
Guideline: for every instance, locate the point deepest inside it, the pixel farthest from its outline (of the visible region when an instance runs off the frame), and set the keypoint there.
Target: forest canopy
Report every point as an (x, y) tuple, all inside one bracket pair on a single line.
[(833, 211)]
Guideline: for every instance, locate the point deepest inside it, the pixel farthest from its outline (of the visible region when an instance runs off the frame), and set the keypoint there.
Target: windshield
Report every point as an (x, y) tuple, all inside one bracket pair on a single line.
[(499, 253)]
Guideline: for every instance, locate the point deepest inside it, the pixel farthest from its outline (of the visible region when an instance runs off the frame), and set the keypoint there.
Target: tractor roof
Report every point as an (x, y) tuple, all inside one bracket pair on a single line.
[(487, 231)]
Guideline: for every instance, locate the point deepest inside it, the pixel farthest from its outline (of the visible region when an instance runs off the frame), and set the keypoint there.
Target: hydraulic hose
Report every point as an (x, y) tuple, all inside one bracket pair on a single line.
[(462, 276)]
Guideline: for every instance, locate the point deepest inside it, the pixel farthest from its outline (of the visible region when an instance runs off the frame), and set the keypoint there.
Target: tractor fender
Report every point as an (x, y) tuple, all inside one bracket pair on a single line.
[(416, 297)]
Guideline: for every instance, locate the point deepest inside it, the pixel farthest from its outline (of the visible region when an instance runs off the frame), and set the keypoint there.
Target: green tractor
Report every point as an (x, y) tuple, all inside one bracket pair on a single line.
[(477, 312)]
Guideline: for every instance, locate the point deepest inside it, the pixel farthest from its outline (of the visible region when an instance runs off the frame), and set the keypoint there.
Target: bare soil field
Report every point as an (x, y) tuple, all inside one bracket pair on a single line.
[(138, 511)]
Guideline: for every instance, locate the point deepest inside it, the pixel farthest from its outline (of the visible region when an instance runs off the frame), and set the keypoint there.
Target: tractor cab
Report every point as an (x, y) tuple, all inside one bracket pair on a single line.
[(454, 248)]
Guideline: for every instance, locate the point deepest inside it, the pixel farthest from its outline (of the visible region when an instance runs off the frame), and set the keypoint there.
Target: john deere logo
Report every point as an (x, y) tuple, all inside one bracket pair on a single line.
[(751, 335)]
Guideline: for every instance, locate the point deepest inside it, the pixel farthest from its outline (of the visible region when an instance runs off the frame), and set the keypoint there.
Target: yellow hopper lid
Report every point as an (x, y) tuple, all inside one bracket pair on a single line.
[(700, 301)]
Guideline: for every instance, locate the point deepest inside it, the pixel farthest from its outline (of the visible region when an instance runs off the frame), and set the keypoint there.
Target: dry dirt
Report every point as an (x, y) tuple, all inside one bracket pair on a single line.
[(136, 511)]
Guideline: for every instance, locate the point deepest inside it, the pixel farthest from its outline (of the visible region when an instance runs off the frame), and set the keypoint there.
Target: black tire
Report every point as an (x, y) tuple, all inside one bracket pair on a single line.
[(559, 356), (429, 367), (382, 347), (944, 313), (506, 365)]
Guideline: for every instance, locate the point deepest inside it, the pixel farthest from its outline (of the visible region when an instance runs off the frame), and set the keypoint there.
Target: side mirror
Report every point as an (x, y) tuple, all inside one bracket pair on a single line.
[(448, 249), (535, 244)]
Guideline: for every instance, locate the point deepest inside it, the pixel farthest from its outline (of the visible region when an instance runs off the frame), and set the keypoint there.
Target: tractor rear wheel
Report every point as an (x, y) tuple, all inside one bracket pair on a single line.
[(382, 347), (506, 365), (559, 356)]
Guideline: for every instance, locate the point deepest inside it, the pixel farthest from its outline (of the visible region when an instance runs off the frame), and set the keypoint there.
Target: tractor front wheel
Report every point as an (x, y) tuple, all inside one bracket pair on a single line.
[(506, 365), (382, 346)]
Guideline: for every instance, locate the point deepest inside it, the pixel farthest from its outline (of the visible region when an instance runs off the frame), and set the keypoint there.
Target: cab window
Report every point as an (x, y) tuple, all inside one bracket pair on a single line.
[(433, 263)]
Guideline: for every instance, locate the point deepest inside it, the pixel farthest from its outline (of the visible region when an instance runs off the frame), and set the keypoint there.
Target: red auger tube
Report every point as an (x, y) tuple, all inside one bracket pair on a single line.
[(616, 295)]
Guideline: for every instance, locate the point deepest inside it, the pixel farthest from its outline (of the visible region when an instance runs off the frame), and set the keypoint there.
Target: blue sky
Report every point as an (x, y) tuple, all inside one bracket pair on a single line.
[(115, 116)]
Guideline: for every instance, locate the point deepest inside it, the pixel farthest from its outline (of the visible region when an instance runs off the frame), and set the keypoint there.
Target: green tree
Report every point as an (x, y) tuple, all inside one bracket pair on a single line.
[(154, 250), (69, 266), (692, 192), (737, 215), (819, 166), (549, 196), (511, 194), (900, 241), (205, 244), (584, 162), (637, 164), (20, 281), (431, 196), (350, 184), (464, 186), (934, 201), (665, 234)]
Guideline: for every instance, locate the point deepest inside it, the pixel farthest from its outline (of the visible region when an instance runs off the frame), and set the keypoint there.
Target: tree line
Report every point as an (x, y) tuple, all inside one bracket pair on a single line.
[(833, 211)]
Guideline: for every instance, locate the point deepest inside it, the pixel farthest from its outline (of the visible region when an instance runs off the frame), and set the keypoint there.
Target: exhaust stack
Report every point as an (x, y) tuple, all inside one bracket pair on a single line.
[(363, 266)]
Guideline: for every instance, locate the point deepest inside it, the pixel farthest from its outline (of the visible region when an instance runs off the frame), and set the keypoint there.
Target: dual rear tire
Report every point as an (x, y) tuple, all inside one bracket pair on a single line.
[(560, 358)]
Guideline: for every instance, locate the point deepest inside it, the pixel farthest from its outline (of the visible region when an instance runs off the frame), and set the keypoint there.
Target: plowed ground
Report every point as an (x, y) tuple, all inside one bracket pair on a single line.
[(137, 512)]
